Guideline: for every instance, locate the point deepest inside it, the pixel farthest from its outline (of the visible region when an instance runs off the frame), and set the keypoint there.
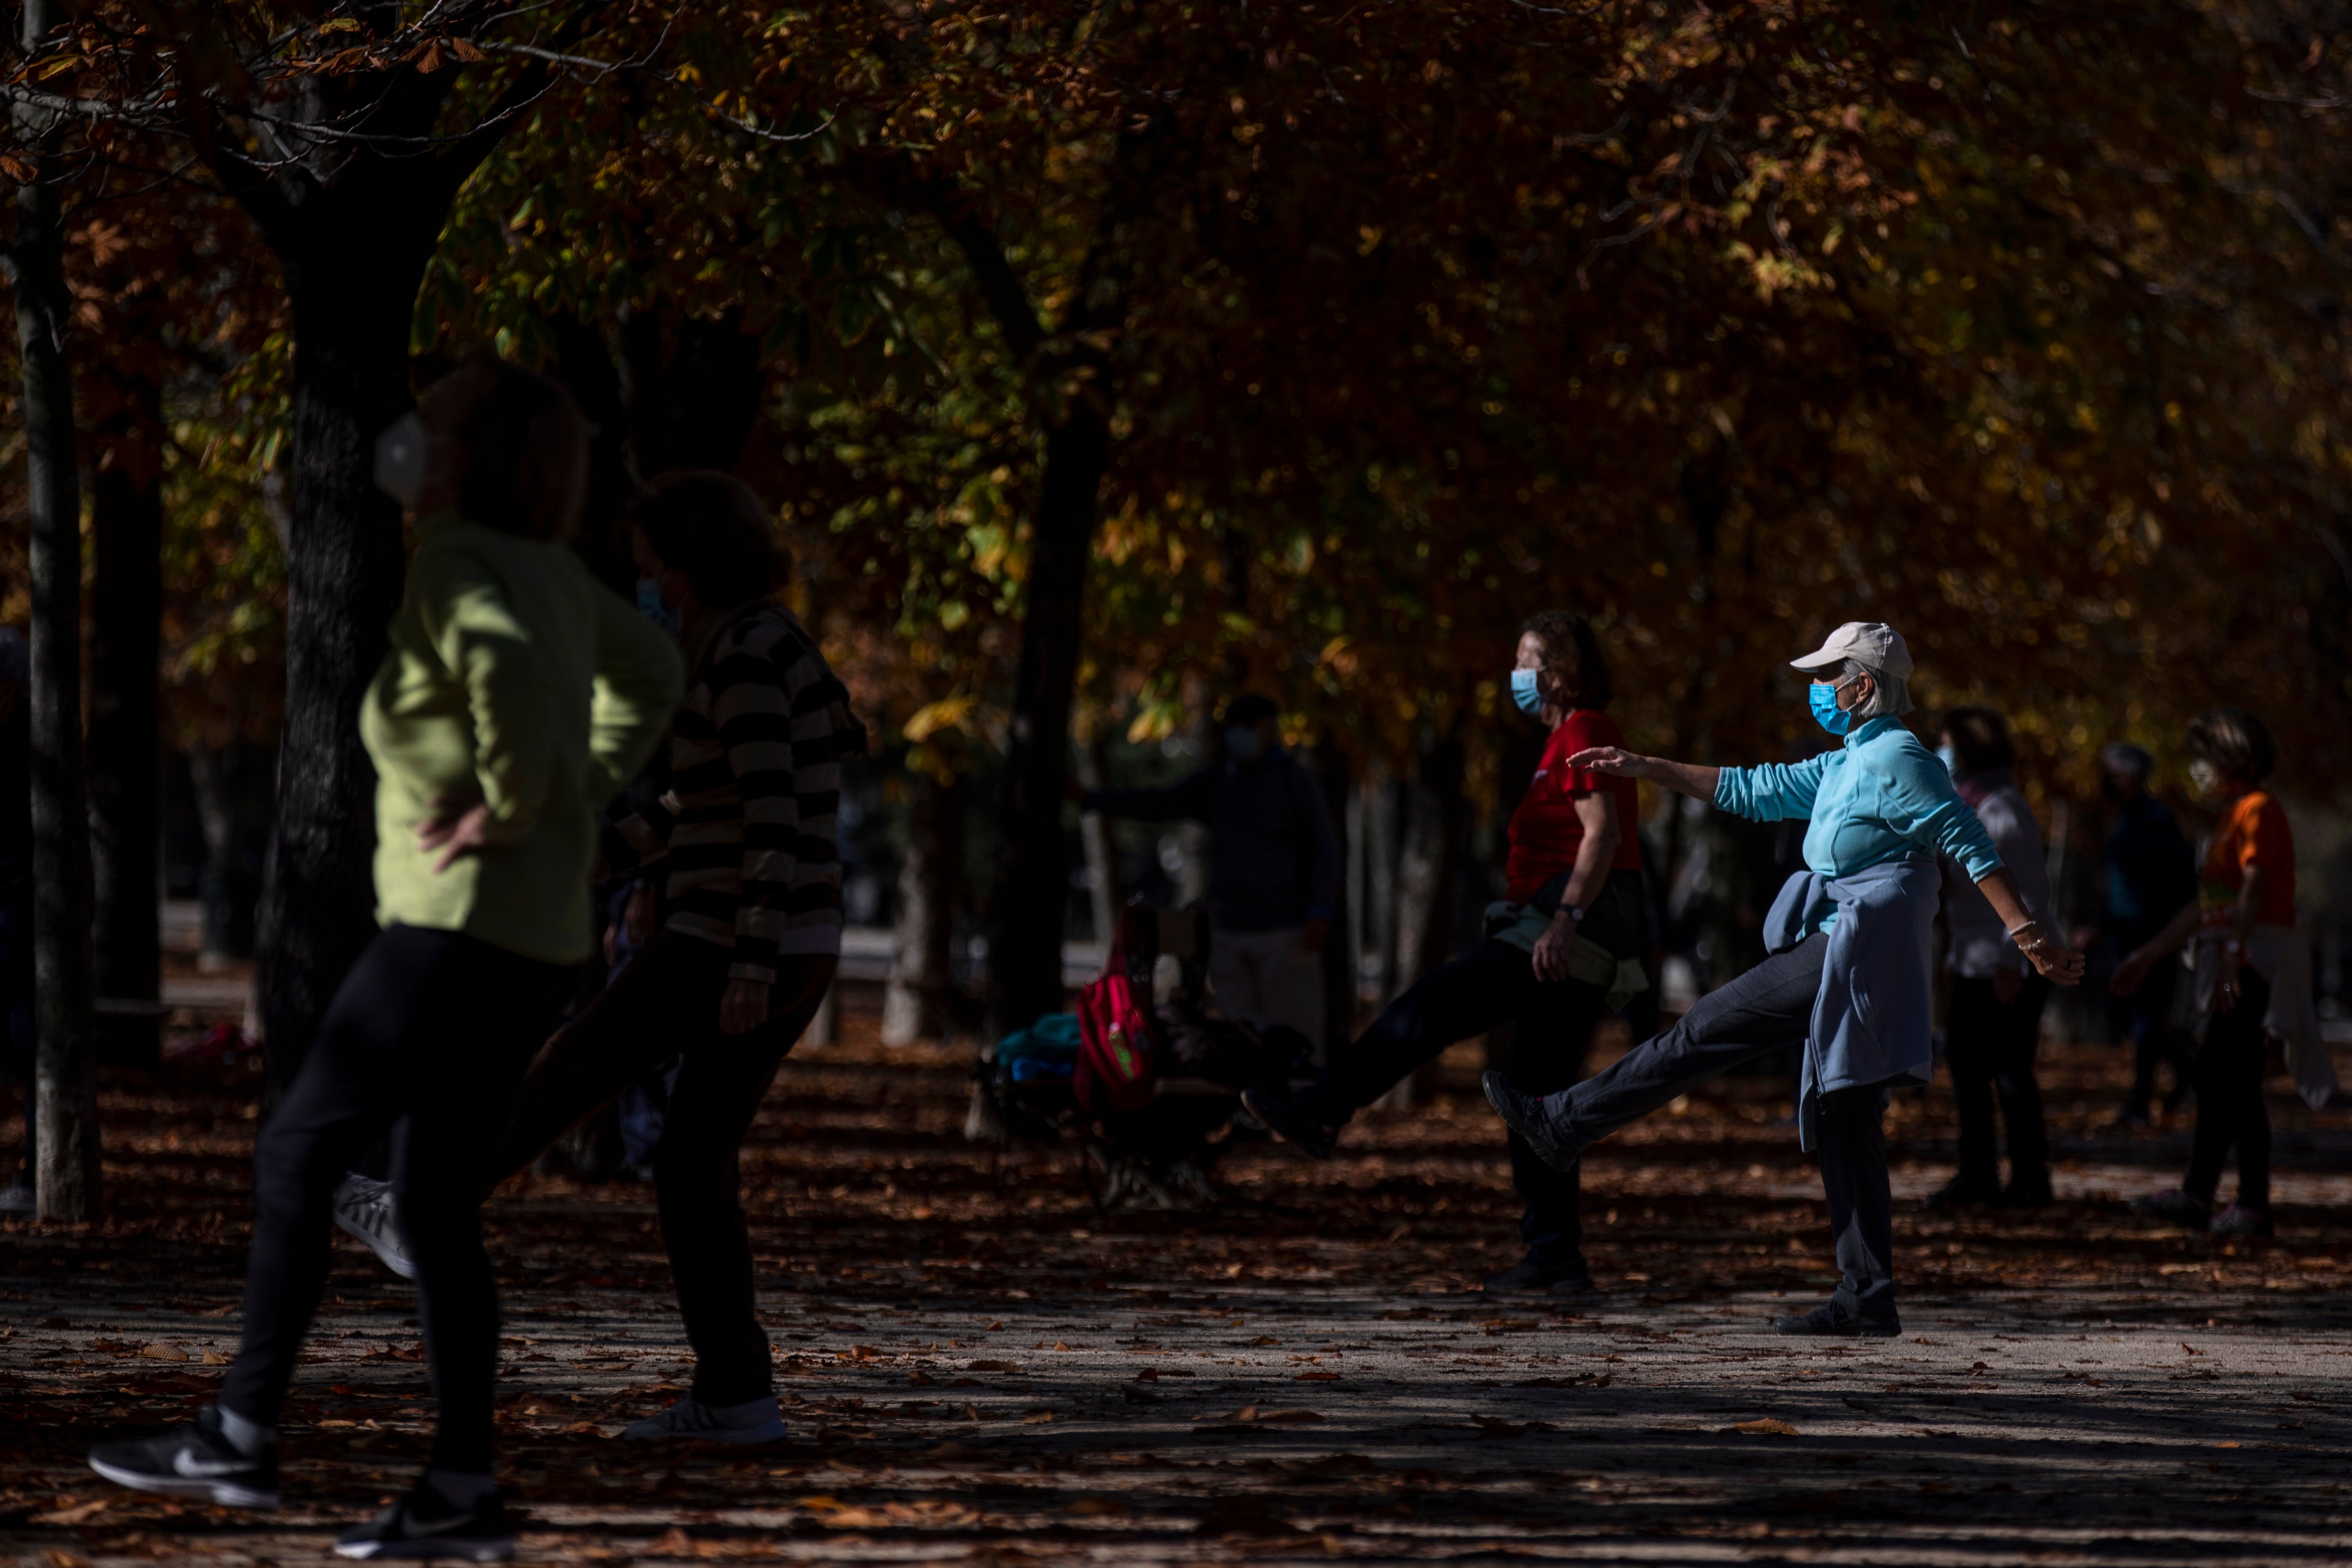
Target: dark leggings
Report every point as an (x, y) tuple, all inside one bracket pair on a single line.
[(425, 1039), (2228, 1074), (1551, 1029), (1989, 1049), (2145, 1019), (665, 1004)]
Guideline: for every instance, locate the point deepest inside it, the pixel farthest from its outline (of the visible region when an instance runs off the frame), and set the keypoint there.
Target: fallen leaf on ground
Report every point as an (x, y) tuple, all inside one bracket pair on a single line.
[(165, 1352), (1770, 1426), (991, 1367), (74, 1515)]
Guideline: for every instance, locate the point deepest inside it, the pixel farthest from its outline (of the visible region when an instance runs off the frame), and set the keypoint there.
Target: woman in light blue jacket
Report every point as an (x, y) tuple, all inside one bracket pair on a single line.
[(1848, 970)]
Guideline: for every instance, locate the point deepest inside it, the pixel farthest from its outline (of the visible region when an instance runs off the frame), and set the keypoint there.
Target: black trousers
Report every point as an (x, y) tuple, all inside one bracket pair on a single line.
[(424, 1041), (2145, 1019), (1551, 1031), (1988, 1046), (666, 1005), (2228, 1074), (1760, 1015)]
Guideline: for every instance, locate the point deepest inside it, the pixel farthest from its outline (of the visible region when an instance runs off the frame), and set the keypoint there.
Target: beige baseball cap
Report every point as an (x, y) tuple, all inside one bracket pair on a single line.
[(1873, 644)]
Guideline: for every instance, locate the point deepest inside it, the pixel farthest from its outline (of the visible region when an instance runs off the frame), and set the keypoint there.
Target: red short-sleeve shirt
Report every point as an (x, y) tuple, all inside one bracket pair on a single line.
[(1545, 831)]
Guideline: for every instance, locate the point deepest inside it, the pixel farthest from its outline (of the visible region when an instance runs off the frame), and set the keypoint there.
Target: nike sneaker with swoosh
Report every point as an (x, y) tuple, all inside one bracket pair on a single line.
[(426, 1524), (194, 1461)]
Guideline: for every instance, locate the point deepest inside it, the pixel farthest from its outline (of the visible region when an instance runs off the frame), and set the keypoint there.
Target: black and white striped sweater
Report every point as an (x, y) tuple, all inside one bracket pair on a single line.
[(747, 827)]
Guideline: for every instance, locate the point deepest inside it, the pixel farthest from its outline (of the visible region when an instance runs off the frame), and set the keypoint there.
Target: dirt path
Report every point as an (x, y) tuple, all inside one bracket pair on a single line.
[(980, 1367)]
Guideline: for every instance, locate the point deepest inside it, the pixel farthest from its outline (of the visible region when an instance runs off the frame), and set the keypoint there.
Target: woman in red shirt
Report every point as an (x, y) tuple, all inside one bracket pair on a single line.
[(1552, 959), (2243, 916)]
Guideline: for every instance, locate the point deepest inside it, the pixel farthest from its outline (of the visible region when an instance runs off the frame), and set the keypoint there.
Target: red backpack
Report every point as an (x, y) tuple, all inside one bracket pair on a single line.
[(1116, 1068)]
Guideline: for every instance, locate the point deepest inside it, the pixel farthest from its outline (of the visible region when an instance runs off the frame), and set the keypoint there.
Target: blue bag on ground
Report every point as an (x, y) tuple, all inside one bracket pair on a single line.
[(1046, 1048)]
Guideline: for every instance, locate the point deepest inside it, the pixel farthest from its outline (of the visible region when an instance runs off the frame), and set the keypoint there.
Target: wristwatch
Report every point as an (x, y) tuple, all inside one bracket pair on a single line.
[(1574, 912)]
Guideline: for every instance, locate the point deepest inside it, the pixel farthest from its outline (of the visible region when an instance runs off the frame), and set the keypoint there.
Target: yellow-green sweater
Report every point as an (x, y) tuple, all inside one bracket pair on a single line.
[(516, 680)]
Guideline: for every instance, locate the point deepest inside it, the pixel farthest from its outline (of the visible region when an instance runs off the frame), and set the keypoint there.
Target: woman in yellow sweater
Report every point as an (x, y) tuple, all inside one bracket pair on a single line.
[(517, 697)]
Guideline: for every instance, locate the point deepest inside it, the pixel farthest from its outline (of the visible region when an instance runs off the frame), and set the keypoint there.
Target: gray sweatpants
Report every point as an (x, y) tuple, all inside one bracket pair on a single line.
[(1763, 1012)]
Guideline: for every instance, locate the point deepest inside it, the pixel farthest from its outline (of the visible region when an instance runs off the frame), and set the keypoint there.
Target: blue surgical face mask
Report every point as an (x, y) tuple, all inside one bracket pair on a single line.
[(1524, 692), (1826, 712), (650, 606), (1244, 744), (1949, 758)]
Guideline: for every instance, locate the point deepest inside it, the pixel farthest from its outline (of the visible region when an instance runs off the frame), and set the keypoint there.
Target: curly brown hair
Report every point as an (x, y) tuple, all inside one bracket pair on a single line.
[(1572, 658)]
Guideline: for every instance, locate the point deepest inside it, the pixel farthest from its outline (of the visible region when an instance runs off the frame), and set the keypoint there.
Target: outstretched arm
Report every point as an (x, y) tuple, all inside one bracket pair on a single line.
[(2056, 961), (1689, 778)]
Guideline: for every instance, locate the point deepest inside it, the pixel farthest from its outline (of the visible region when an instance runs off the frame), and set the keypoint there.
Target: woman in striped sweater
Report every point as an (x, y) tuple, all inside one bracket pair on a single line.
[(752, 931)]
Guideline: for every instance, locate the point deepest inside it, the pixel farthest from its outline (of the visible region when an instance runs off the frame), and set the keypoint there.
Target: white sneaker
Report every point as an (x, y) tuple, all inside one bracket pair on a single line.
[(364, 1206), (19, 1198), (754, 1421)]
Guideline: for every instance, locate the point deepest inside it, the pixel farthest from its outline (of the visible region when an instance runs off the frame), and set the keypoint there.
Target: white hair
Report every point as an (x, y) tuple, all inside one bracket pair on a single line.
[(1889, 695)]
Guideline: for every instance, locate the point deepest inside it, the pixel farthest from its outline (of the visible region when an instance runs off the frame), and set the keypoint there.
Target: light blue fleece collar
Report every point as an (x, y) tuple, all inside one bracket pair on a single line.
[(1869, 730)]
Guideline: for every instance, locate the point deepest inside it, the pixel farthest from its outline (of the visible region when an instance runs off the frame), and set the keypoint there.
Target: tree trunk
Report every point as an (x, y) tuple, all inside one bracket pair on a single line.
[(1102, 854), (1381, 834), (1428, 887), (66, 1176), (353, 223), (1330, 762), (1025, 947), (583, 363), (125, 745), (695, 390), (234, 786), (343, 573), (915, 1006), (1441, 829)]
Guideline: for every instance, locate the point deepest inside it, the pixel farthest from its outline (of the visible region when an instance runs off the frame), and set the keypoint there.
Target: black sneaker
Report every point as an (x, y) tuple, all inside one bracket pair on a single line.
[(194, 1460), (1827, 1320), (1287, 1120), (1533, 1276), (426, 1524), (2175, 1206), (2243, 1219), (1524, 1114), (1963, 1191)]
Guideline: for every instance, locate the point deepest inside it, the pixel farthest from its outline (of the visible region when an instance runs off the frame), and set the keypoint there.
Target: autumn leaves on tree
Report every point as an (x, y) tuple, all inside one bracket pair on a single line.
[(1094, 353)]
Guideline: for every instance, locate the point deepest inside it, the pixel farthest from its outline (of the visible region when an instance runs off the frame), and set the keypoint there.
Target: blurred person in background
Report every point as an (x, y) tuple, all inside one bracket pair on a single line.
[(2239, 933), (17, 1036), (1274, 868), (2151, 877), (1561, 952), (1994, 1022)]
